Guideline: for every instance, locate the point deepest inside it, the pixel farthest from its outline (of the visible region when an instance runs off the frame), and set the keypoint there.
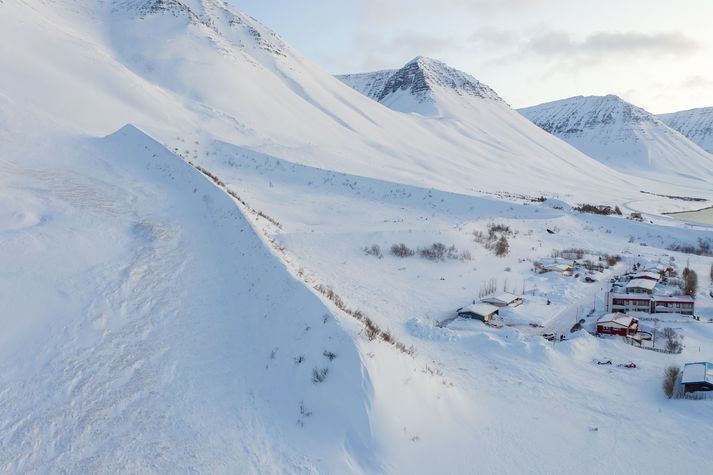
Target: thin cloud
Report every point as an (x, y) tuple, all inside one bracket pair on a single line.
[(697, 82), (559, 43)]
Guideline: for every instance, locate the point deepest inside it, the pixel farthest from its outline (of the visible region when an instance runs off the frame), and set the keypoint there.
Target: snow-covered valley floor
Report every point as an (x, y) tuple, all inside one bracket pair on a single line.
[(518, 398)]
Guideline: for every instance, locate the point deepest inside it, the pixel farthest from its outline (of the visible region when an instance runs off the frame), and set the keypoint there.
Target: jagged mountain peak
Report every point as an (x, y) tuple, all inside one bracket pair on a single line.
[(420, 78)]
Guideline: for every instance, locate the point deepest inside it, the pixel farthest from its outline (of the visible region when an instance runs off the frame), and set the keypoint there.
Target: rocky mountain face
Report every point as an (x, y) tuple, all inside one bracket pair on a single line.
[(695, 124), (421, 78), (225, 23), (580, 115), (621, 135)]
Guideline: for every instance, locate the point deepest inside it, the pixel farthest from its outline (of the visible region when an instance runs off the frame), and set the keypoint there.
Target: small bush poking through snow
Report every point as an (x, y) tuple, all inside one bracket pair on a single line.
[(374, 250), (439, 252), (704, 248), (319, 375), (402, 250), (436, 252), (329, 355), (670, 377), (673, 341), (502, 246), (496, 238), (597, 209)]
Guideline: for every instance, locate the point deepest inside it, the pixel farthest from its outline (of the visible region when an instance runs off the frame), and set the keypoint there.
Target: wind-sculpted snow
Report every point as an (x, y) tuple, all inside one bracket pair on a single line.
[(147, 327)]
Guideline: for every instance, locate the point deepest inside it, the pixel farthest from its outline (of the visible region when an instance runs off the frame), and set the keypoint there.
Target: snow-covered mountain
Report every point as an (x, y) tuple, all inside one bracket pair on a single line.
[(210, 71), (623, 136), (695, 124), (423, 85), (185, 202)]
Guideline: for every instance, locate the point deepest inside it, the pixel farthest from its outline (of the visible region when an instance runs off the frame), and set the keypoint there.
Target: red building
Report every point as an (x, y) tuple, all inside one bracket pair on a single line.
[(617, 324)]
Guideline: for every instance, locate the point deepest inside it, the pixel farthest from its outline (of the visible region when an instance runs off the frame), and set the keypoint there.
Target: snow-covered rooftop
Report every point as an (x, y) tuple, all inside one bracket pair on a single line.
[(616, 319), (641, 284), (674, 298), (647, 275), (481, 309), (701, 372), (505, 297)]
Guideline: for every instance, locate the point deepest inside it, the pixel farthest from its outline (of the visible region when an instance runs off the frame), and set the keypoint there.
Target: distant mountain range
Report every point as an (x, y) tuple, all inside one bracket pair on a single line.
[(623, 136), (696, 124)]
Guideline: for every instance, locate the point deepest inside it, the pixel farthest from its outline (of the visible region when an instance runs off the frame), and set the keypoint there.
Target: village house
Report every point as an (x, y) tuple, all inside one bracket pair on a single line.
[(640, 286), (505, 299), (479, 311), (697, 377), (617, 324), (638, 296), (563, 266)]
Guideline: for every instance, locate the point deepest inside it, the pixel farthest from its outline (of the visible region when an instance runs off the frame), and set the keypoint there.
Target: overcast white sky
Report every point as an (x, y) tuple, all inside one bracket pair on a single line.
[(655, 53)]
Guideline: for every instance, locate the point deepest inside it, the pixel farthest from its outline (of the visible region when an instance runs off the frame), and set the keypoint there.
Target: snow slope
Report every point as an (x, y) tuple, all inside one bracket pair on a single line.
[(146, 326), (153, 324), (527, 399), (624, 137), (204, 69), (695, 124), (429, 89)]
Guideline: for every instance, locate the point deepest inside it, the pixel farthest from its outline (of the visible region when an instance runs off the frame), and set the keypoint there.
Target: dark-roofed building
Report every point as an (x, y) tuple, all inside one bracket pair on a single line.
[(479, 311)]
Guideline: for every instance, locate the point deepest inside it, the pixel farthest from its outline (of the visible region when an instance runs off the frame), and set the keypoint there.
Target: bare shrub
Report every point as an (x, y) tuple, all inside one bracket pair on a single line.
[(436, 252), (670, 377), (673, 341), (502, 247), (402, 250), (319, 375), (704, 248), (690, 281), (329, 355), (374, 250), (597, 209), (371, 329), (612, 260)]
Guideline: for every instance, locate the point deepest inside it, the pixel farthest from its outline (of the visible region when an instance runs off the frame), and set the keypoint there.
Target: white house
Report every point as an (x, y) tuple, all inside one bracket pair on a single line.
[(563, 266), (640, 286)]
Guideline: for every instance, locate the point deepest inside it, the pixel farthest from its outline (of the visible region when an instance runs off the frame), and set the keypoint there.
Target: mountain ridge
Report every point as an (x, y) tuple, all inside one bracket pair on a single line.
[(696, 124), (621, 135)]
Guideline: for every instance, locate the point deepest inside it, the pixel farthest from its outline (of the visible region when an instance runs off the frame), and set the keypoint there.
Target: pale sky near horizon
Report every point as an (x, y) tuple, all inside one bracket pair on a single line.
[(657, 54)]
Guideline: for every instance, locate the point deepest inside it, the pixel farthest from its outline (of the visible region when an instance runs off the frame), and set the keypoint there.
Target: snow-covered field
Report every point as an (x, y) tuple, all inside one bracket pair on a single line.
[(173, 212), (528, 397)]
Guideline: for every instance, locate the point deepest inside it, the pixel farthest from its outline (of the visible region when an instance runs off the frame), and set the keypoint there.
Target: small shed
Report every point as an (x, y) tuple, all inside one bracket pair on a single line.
[(506, 299), (697, 377), (617, 324), (640, 286), (479, 311)]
